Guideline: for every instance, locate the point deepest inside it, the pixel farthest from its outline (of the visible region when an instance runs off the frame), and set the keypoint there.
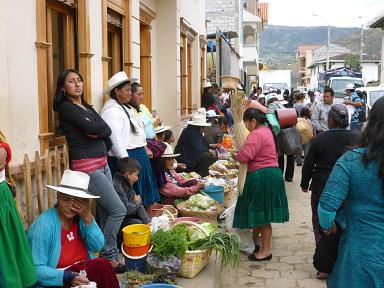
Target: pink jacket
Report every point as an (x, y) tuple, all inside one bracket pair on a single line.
[(259, 150), (170, 189)]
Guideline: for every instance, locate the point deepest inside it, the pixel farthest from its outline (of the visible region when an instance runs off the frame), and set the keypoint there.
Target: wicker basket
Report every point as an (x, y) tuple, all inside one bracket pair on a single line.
[(205, 216), (170, 210), (229, 82), (193, 261)]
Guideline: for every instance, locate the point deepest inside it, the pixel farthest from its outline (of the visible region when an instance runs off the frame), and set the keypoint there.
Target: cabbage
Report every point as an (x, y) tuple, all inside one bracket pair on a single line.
[(208, 227), (200, 201)]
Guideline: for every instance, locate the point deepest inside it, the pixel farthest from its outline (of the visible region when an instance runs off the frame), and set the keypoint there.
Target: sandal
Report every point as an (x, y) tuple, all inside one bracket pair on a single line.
[(252, 257)]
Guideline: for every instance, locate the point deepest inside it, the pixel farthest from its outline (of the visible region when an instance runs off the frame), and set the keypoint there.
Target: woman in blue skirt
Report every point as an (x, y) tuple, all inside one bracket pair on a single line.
[(264, 200)]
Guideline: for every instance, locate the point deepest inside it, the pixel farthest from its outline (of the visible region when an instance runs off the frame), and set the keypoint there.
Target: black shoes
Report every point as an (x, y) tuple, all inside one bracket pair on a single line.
[(252, 257)]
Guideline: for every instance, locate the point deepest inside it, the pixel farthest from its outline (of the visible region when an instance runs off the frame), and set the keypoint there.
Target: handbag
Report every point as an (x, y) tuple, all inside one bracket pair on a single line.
[(290, 141), (272, 119), (156, 147)]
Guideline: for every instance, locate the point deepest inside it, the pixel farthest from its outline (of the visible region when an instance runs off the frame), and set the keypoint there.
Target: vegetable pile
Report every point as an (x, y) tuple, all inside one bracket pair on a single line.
[(199, 202)]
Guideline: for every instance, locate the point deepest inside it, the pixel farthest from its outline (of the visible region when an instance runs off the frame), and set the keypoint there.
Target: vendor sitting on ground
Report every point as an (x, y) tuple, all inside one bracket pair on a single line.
[(160, 132), (169, 138), (127, 174), (213, 134), (176, 186), (64, 238), (194, 150)]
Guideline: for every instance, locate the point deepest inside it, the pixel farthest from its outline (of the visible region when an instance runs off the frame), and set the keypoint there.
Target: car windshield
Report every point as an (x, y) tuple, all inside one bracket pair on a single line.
[(281, 86), (374, 96), (338, 85)]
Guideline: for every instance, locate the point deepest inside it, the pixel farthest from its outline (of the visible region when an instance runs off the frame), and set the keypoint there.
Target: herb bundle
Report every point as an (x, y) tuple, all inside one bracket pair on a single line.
[(172, 242)]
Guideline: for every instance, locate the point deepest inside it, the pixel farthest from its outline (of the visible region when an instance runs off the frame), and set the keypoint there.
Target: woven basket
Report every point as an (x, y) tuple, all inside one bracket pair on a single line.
[(193, 261), (170, 210), (205, 216), (229, 82)]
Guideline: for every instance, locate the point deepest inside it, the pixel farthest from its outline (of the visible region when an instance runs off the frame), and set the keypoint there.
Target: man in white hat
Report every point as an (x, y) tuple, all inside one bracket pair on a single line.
[(355, 101), (194, 150)]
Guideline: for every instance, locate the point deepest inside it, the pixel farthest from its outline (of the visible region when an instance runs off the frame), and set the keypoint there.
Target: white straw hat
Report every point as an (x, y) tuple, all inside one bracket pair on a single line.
[(168, 153), (117, 79), (212, 114), (161, 128), (199, 120), (207, 84), (74, 183)]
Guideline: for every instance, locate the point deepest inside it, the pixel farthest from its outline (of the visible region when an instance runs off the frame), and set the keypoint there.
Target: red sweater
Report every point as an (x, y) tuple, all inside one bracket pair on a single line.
[(259, 150)]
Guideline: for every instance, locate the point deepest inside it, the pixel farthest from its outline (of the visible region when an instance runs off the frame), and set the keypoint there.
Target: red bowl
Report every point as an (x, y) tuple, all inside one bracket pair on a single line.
[(137, 251)]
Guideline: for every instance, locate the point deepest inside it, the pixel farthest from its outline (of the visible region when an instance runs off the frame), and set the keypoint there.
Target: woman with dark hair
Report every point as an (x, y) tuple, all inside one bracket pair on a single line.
[(264, 200), (322, 156), (356, 184), (87, 136), (128, 128), (136, 101)]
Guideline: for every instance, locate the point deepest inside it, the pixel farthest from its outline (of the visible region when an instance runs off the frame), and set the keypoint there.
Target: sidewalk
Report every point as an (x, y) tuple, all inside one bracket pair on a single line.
[(293, 247)]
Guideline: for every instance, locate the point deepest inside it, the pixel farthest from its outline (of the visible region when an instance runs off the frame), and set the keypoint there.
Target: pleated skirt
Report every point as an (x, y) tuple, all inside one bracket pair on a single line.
[(15, 254), (263, 201)]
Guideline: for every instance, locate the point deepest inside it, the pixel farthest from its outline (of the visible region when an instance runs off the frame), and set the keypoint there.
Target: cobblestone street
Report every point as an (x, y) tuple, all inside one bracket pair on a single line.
[(293, 247)]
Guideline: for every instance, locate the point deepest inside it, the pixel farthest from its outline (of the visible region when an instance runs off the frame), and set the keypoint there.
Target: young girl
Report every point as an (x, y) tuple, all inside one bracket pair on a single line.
[(264, 200)]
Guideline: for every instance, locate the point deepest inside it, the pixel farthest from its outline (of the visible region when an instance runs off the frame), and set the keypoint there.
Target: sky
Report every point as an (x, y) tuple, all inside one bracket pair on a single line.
[(339, 13)]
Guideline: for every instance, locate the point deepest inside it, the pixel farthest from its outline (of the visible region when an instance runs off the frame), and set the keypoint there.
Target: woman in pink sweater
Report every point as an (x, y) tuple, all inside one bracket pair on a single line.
[(176, 187), (264, 200)]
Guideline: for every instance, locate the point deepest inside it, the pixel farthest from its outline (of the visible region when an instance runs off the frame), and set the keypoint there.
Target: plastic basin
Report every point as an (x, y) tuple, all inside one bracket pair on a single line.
[(216, 192), (136, 235), (137, 251)]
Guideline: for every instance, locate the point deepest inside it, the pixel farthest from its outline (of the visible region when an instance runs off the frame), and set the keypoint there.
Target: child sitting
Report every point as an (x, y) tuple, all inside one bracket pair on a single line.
[(127, 173)]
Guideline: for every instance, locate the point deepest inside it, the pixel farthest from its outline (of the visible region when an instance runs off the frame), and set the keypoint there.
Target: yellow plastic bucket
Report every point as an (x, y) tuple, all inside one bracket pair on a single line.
[(136, 235)]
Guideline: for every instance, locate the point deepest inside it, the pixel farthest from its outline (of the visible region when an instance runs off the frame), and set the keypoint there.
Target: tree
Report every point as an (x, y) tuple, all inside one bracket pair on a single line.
[(353, 61)]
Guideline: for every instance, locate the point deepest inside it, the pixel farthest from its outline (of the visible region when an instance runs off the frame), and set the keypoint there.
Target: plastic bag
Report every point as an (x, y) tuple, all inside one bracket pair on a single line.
[(290, 141), (228, 215), (168, 267), (247, 244), (161, 222)]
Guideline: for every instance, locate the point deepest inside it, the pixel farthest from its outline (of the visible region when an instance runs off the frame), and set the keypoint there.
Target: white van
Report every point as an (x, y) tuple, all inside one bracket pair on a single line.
[(373, 94)]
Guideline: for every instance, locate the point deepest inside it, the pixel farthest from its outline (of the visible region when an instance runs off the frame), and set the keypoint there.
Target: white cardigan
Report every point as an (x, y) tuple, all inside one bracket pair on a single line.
[(122, 137)]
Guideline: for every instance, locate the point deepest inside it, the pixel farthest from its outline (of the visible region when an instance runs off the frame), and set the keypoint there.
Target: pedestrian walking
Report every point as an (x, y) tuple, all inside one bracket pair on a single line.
[(353, 99), (353, 197), (320, 112), (325, 150)]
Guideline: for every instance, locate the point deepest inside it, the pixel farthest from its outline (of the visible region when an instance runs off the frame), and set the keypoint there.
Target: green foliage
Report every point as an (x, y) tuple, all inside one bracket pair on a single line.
[(172, 242), (353, 61)]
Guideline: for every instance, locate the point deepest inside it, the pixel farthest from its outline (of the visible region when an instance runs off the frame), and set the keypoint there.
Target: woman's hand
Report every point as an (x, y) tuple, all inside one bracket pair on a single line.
[(3, 158), (83, 208), (181, 166), (79, 280), (200, 185), (149, 152)]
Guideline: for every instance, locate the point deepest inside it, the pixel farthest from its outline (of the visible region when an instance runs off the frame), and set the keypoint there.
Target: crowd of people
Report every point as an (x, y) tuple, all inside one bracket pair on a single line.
[(123, 158)]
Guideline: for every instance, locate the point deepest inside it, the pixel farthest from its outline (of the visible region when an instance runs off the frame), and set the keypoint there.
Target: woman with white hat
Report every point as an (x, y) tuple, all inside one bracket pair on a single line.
[(87, 135), (128, 136), (194, 150), (64, 239), (176, 186)]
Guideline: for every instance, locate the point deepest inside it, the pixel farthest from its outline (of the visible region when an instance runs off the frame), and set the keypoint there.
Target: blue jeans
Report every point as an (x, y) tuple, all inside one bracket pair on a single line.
[(111, 211)]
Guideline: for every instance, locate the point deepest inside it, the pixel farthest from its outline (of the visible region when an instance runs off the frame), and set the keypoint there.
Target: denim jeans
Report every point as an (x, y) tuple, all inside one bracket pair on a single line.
[(111, 211), (299, 158)]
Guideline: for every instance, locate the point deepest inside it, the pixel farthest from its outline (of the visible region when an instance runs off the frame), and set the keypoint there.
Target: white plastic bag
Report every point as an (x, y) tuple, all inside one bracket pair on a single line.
[(161, 222), (228, 215), (246, 238)]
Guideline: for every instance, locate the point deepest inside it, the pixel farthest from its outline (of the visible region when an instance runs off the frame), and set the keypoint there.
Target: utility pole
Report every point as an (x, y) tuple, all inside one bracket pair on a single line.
[(361, 43), (328, 46)]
